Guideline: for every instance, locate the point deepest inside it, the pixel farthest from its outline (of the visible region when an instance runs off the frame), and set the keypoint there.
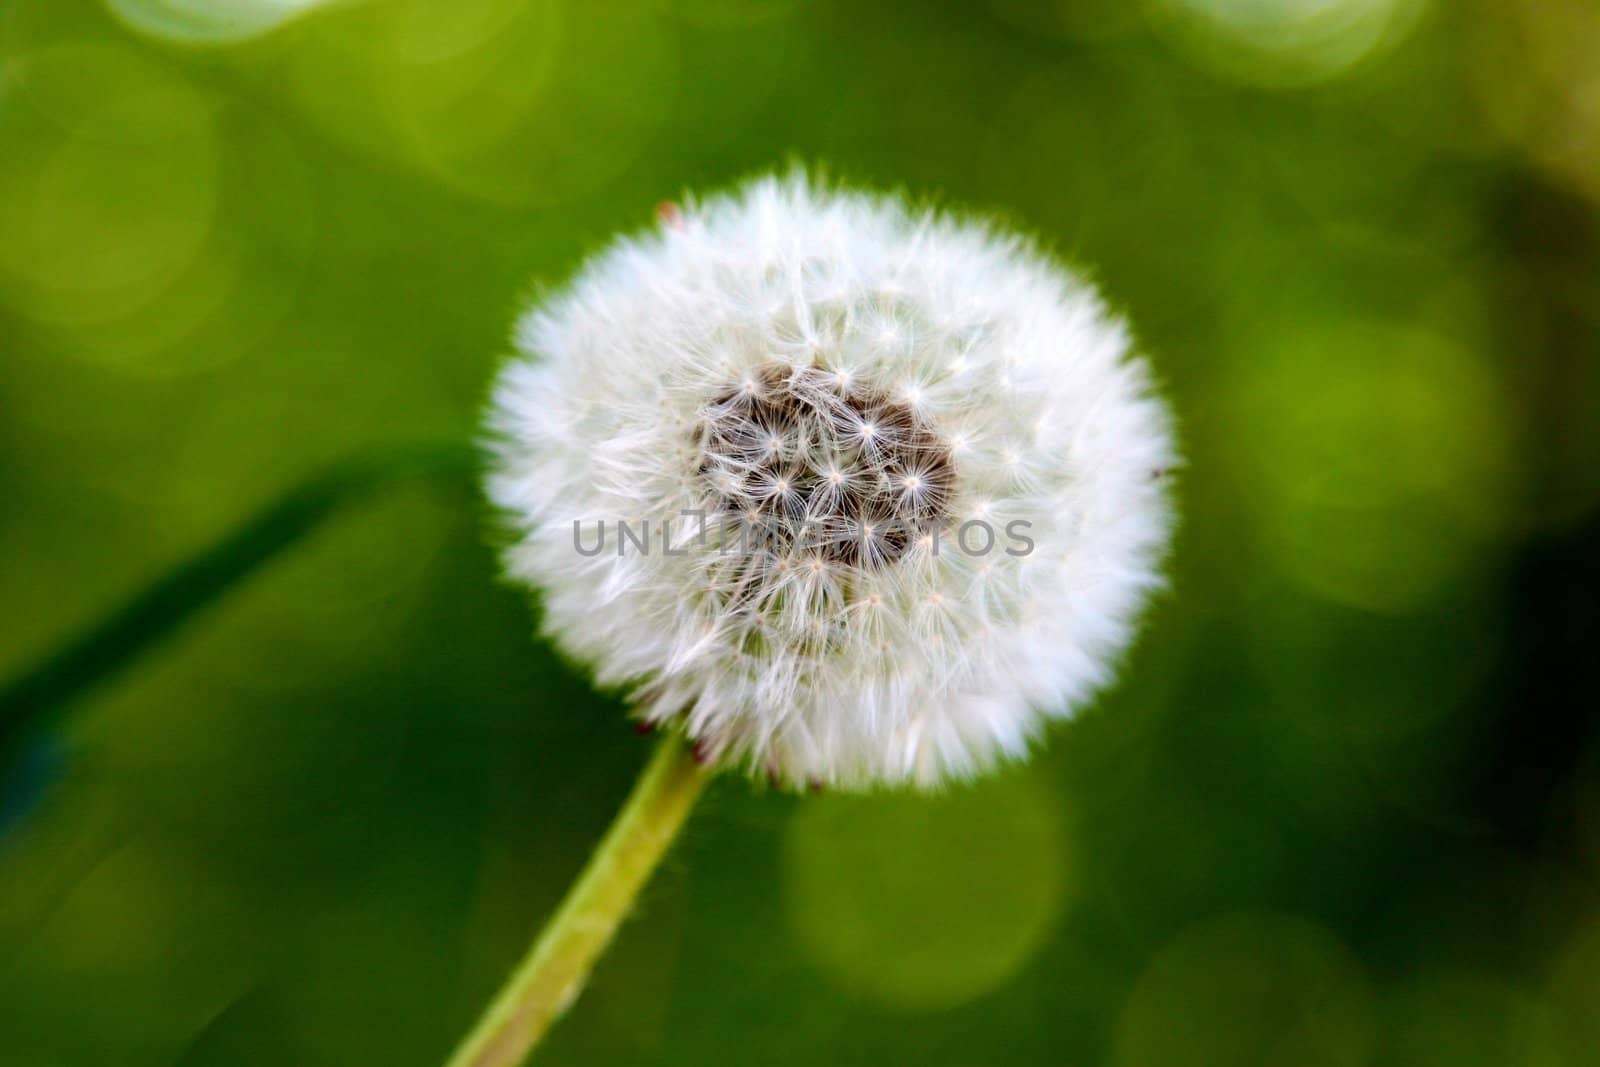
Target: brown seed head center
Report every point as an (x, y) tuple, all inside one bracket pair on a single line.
[(828, 470)]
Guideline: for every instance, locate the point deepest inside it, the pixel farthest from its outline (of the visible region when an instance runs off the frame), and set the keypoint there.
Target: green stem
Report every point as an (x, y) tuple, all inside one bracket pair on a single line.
[(553, 972)]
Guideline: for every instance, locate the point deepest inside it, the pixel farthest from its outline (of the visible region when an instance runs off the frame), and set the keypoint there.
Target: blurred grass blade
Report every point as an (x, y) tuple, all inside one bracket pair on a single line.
[(143, 622), (24, 778)]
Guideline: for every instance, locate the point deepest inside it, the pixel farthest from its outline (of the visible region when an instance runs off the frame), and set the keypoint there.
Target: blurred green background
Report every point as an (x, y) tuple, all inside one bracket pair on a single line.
[(1344, 808)]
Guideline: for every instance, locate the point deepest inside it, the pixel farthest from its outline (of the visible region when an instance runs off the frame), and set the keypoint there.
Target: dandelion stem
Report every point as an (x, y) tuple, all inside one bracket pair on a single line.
[(551, 975)]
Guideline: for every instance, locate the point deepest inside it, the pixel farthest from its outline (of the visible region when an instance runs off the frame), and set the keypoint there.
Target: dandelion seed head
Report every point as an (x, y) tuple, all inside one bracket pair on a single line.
[(824, 376)]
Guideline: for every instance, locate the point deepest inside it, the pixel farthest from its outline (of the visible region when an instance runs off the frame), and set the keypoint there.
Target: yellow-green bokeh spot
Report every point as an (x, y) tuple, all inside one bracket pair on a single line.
[(1284, 43), (493, 99), (111, 190), (1376, 458), (1462, 1019), (925, 902), (206, 22), (1249, 989)]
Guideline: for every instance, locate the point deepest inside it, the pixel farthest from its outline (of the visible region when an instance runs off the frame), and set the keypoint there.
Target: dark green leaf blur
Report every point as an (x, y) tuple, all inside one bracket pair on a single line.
[(1343, 808)]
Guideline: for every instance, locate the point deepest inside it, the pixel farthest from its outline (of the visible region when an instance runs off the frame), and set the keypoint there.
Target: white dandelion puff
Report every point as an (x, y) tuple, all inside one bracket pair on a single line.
[(923, 459)]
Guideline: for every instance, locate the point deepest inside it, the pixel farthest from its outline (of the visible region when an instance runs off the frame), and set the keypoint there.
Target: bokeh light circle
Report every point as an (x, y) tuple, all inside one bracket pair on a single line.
[(920, 902), (207, 22), (245, 279), (494, 99), (1537, 76), (1283, 43), (1376, 458), (161, 231), (117, 195), (1457, 1018), (456, 84), (1249, 989)]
